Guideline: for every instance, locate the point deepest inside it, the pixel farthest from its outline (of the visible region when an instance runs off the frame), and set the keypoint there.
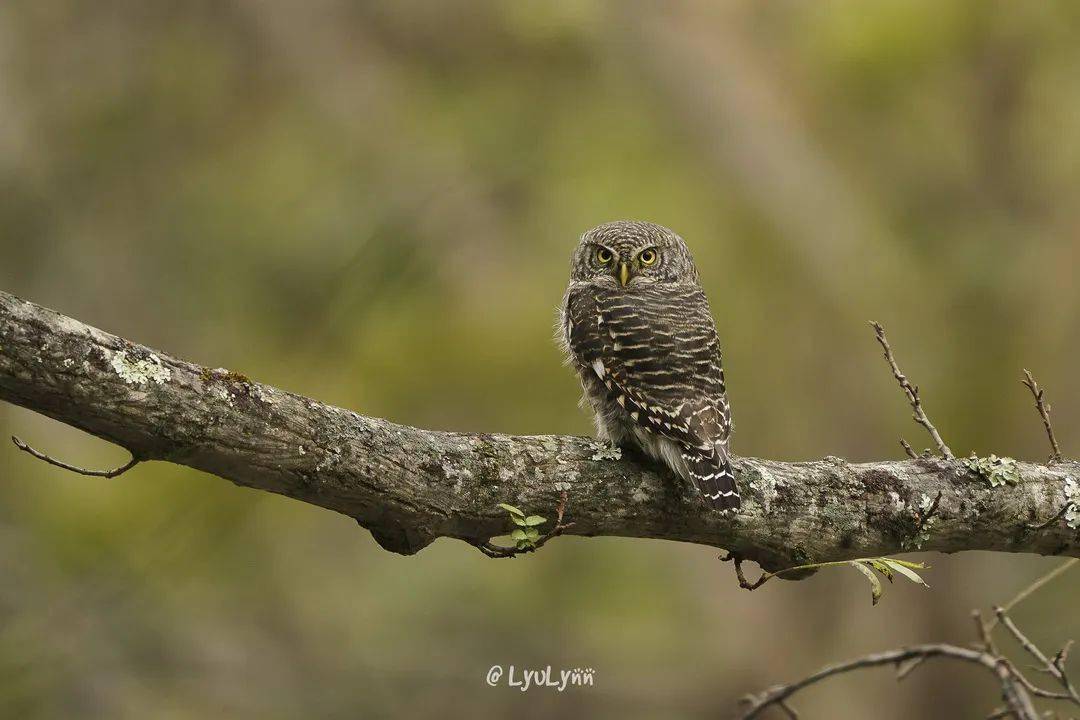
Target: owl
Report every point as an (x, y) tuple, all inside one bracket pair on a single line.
[(636, 327)]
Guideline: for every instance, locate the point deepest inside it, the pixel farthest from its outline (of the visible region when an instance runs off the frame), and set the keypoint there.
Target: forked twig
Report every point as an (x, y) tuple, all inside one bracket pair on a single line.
[(912, 392), (1017, 690), (904, 669), (1057, 516), (115, 472), (1054, 668), (788, 710), (1013, 690), (1044, 411)]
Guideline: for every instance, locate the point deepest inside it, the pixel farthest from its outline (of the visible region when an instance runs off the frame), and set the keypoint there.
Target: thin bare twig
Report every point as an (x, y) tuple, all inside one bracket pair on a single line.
[(912, 392), (788, 710), (983, 632), (115, 472), (1017, 690), (1044, 411), (743, 582), (500, 552), (987, 642), (908, 449), (1017, 698), (1062, 656), (1052, 667), (1057, 516), (906, 668), (1033, 688)]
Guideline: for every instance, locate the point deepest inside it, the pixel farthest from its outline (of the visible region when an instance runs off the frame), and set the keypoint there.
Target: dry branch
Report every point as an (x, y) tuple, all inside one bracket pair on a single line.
[(107, 474), (1044, 412), (1016, 688), (912, 392), (1013, 690), (411, 486)]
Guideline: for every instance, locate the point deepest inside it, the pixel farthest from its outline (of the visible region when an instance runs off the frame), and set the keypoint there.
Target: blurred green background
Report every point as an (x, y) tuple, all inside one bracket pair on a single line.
[(374, 204)]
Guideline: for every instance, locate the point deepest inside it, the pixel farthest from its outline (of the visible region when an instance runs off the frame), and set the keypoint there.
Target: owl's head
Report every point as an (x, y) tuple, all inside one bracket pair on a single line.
[(628, 253)]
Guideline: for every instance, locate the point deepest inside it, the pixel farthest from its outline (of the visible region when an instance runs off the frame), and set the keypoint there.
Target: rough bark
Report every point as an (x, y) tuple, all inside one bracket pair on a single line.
[(410, 486)]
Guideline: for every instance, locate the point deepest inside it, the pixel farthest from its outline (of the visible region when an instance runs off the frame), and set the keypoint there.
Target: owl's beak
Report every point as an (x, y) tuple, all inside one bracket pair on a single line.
[(624, 273)]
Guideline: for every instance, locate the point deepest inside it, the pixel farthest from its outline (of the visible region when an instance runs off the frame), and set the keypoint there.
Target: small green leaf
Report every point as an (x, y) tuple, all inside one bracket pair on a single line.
[(905, 570), (907, 563), (532, 533), (519, 521), (881, 565), (875, 584), (518, 535), (511, 509), (535, 520)]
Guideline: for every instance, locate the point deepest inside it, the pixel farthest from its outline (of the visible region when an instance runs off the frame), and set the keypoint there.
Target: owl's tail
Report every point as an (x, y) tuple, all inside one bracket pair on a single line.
[(713, 476)]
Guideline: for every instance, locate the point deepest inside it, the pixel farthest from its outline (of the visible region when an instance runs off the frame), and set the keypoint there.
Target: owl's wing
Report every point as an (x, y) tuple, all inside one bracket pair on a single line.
[(657, 354)]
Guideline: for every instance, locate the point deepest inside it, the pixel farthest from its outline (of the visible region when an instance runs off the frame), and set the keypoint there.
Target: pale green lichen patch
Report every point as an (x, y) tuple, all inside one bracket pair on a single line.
[(140, 371), (568, 478), (1072, 496), (550, 444), (263, 394), (925, 524), (606, 452), (766, 486), (515, 470), (995, 470), (459, 475), (222, 393), (329, 458)]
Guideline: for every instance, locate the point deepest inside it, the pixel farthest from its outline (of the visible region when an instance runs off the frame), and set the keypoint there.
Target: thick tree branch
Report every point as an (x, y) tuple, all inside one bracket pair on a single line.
[(410, 486)]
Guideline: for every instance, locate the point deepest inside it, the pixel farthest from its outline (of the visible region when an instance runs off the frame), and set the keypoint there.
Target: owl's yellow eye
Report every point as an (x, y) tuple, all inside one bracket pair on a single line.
[(648, 257), (604, 256)]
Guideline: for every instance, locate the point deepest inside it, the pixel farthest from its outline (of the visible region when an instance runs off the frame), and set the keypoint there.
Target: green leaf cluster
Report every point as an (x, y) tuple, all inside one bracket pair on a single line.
[(527, 532), (888, 568), (996, 470)]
